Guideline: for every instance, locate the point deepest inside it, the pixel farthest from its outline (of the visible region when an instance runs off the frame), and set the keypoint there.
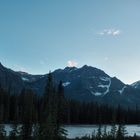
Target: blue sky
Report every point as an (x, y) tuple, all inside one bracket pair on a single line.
[(41, 35)]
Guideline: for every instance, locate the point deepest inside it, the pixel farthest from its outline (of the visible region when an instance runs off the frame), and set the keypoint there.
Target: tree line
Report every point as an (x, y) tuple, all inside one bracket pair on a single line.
[(27, 105), (116, 133)]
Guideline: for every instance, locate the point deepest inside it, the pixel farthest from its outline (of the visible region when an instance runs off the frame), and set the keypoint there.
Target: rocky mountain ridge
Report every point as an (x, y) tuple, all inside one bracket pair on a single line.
[(84, 84)]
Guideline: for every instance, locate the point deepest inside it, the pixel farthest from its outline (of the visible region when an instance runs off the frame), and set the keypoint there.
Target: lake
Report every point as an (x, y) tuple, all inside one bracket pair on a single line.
[(82, 130)]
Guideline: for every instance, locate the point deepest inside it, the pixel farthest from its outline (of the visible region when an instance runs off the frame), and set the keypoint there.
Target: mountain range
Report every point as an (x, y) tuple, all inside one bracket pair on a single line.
[(84, 84)]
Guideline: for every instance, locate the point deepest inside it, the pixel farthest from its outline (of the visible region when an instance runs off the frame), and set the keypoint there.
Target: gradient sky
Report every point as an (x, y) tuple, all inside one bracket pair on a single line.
[(41, 35)]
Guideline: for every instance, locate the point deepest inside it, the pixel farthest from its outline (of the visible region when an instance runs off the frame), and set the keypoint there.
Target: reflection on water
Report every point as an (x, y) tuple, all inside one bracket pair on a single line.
[(82, 130)]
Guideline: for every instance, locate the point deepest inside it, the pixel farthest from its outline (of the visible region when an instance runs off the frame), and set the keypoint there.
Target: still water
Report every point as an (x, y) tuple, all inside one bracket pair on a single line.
[(82, 130), (74, 131)]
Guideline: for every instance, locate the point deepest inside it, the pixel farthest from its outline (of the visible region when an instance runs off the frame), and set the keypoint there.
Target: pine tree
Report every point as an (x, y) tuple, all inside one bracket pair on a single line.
[(14, 132), (61, 110), (6, 105), (99, 132), (121, 133), (35, 131), (124, 131), (105, 132), (1, 105), (2, 132), (48, 124), (113, 126), (13, 110), (28, 109), (113, 131), (61, 103)]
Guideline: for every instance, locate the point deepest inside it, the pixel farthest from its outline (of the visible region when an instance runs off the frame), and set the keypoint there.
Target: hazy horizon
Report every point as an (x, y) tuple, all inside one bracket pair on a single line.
[(61, 69)]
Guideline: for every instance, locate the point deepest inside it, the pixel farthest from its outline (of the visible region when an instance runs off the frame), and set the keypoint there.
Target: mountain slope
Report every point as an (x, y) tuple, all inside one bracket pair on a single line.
[(136, 85), (91, 84), (87, 80), (10, 80)]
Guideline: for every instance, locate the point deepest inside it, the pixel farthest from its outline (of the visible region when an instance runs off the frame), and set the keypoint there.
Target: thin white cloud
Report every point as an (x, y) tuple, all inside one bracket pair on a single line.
[(117, 32), (72, 63), (110, 32)]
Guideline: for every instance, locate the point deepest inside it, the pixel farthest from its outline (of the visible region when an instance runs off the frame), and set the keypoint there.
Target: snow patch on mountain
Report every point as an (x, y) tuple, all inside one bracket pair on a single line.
[(24, 79), (66, 84), (96, 93), (136, 84), (105, 86), (102, 86), (104, 78), (122, 90), (108, 86)]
